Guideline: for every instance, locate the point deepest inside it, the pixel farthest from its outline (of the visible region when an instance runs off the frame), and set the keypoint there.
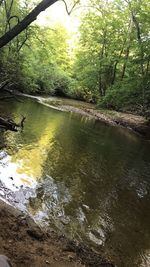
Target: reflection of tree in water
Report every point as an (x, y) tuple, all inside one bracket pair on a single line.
[(29, 149), (131, 211), (104, 175), (100, 184)]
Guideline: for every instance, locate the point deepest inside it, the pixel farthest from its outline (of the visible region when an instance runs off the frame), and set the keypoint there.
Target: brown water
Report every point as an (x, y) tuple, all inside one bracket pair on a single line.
[(89, 180)]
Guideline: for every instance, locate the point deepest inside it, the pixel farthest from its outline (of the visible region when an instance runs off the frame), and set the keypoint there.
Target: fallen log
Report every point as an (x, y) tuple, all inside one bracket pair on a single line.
[(9, 124)]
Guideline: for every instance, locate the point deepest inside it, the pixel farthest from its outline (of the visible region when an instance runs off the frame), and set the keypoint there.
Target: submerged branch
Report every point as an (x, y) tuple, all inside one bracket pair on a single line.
[(22, 122), (9, 124)]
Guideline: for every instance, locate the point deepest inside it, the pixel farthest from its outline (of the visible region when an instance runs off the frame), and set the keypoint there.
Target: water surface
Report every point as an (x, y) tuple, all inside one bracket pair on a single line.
[(90, 180)]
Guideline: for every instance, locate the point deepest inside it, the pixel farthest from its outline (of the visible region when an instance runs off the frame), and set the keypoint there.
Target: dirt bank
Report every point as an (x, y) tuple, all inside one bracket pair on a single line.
[(26, 244), (133, 122), (136, 123)]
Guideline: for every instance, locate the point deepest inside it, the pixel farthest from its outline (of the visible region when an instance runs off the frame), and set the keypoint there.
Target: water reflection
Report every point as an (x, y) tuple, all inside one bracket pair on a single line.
[(91, 180)]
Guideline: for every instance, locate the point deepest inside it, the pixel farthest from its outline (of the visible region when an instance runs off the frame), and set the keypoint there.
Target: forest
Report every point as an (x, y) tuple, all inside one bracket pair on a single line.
[(109, 64)]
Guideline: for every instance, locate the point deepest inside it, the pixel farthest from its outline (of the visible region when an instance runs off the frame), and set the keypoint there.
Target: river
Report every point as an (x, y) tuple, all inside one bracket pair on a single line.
[(86, 179)]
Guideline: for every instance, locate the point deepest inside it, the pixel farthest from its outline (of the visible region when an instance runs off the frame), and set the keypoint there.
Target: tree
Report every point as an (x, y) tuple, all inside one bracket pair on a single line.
[(22, 25), (112, 58), (45, 67), (101, 46)]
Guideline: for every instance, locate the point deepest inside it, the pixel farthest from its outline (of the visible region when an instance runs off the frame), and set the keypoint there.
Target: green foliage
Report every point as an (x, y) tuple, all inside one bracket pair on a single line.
[(120, 96), (127, 96), (37, 60), (81, 93), (113, 58), (111, 63)]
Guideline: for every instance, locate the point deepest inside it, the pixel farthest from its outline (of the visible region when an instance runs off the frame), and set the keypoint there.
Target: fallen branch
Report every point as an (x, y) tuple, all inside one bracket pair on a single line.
[(9, 124), (4, 84), (22, 122)]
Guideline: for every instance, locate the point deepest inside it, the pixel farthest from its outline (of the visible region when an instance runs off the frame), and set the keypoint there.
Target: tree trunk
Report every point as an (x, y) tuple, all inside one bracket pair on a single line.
[(138, 31), (8, 14), (22, 25), (128, 45), (147, 67), (101, 55), (139, 39), (125, 63)]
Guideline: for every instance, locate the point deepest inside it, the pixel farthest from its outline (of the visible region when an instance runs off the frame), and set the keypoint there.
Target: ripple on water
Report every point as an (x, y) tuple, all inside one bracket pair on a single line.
[(87, 179)]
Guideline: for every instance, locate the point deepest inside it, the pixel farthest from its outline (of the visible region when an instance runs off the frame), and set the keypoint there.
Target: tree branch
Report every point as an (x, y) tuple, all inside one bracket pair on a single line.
[(12, 17), (66, 7), (22, 25), (24, 41)]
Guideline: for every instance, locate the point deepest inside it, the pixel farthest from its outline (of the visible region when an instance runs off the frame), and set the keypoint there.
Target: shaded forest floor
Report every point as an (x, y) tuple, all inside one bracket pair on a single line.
[(26, 244)]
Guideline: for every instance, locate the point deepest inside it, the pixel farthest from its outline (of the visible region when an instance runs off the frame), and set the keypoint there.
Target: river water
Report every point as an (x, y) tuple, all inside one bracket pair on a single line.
[(87, 179)]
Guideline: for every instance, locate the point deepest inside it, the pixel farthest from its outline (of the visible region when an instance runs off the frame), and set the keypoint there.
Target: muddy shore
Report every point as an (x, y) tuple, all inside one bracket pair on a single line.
[(26, 244)]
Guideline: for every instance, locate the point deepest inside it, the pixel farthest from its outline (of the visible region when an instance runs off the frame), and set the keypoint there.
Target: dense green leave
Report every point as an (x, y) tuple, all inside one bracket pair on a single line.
[(111, 63)]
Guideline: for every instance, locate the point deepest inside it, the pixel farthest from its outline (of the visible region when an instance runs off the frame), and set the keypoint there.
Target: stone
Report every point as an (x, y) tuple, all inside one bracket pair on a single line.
[(5, 261)]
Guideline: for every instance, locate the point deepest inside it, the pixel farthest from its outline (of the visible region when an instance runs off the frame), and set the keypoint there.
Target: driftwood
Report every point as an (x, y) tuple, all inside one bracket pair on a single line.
[(9, 124)]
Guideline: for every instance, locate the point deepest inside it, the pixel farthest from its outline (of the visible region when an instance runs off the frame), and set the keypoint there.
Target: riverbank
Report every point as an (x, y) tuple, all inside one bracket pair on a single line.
[(137, 123), (133, 122), (26, 244)]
